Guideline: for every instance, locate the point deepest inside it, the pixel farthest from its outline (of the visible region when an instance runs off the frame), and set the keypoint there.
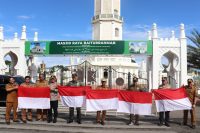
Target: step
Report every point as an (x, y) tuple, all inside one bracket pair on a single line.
[(84, 128)]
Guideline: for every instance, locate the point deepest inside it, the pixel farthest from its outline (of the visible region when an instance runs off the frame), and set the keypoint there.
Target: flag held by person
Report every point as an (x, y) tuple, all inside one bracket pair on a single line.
[(135, 102), (73, 96), (34, 97), (97, 100), (171, 100)]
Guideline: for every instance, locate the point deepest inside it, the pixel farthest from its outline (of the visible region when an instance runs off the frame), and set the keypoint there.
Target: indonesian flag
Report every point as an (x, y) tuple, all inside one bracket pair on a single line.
[(73, 96), (171, 100), (133, 102), (34, 97), (98, 100)]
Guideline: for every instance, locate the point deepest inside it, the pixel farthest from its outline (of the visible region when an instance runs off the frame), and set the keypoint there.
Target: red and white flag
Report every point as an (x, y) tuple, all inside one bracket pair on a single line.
[(135, 102), (73, 96), (171, 100), (34, 97), (98, 100)]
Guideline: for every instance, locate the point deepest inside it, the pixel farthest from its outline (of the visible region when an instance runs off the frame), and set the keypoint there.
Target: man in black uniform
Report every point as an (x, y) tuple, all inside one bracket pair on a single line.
[(74, 82)]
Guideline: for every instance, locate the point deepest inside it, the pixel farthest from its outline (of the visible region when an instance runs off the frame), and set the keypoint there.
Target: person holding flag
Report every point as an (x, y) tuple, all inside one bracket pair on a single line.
[(11, 100), (54, 100), (101, 119), (192, 94), (41, 113), (134, 87), (27, 84), (74, 82), (163, 114)]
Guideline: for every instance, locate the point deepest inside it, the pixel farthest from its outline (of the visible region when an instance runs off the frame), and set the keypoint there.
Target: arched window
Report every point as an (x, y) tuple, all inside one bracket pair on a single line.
[(116, 32)]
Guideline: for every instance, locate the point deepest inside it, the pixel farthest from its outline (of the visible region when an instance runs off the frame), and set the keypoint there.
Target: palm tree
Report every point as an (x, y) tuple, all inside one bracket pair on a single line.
[(193, 55)]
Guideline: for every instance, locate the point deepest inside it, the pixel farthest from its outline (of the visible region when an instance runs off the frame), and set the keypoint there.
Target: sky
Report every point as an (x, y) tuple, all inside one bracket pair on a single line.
[(71, 19)]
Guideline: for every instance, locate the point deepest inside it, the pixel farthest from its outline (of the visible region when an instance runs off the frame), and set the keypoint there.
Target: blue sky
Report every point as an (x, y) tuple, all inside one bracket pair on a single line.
[(71, 19)]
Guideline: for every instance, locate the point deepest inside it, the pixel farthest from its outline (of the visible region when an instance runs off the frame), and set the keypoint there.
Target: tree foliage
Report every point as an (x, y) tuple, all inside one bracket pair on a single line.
[(193, 55)]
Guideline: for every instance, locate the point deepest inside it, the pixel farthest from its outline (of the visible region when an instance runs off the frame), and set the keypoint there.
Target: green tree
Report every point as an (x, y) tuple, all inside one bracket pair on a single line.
[(193, 55)]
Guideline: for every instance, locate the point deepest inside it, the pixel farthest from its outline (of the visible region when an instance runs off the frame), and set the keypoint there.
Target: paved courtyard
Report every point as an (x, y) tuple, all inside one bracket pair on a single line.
[(115, 123)]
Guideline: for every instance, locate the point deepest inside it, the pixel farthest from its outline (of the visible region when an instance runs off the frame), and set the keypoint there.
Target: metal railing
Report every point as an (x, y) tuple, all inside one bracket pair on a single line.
[(110, 16), (91, 74)]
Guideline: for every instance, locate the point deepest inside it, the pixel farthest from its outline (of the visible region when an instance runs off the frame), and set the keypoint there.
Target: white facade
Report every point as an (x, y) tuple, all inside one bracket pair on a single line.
[(16, 50), (107, 25), (119, 64), (107, 22), (175, 50)]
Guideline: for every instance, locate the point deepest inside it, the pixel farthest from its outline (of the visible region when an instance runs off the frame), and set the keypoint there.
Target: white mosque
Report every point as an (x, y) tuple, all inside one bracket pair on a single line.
[(107, 24)]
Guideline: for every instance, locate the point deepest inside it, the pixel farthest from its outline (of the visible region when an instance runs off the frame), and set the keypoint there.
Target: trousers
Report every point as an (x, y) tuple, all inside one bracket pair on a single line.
[(99, 117), (9, 106)]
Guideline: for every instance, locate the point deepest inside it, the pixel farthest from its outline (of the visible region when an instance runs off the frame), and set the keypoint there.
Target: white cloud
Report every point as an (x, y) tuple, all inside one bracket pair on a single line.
[(34, 29), (25, 17), (80, 36), (139, 31)]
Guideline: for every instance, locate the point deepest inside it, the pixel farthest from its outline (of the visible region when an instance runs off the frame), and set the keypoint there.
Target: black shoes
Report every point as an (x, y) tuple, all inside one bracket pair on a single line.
[(136, 123), (30, 119), (8, 122), (54, 120), (69, 121), (103, 123), (79, 122), (160, 124), (49, 120), (24, 121), (193, 126), (15, 120), (167, 125)]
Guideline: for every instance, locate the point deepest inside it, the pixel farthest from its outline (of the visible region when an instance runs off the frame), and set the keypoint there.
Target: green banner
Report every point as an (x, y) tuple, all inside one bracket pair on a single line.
[(88, 47)]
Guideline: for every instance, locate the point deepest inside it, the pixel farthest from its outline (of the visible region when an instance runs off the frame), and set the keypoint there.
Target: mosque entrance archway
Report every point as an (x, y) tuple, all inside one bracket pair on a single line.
[(170, 62), (11, 61)]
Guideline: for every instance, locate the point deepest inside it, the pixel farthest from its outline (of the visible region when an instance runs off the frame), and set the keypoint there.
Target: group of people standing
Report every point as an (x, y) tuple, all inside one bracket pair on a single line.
[(47, 115), (191, 92), (26, 114), (165, 116)]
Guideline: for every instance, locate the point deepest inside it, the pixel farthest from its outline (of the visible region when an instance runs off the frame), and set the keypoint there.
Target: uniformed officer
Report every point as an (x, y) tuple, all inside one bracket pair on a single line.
[(11, 100), (101, 119), (74, 82), (28, 84), (41, 113), (53, 100), (134, 87), (163, 114), (192, 94)]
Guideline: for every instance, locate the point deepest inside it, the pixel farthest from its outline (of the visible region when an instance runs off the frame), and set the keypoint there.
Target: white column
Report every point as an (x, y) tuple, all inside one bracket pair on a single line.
[(155, 64), (183, 58), (15, 36), (156, 59), (154, 31), (23, 37), (36, 36), (101, 7), (112, 4), (150, 80), (149, 35), (113, 31)]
